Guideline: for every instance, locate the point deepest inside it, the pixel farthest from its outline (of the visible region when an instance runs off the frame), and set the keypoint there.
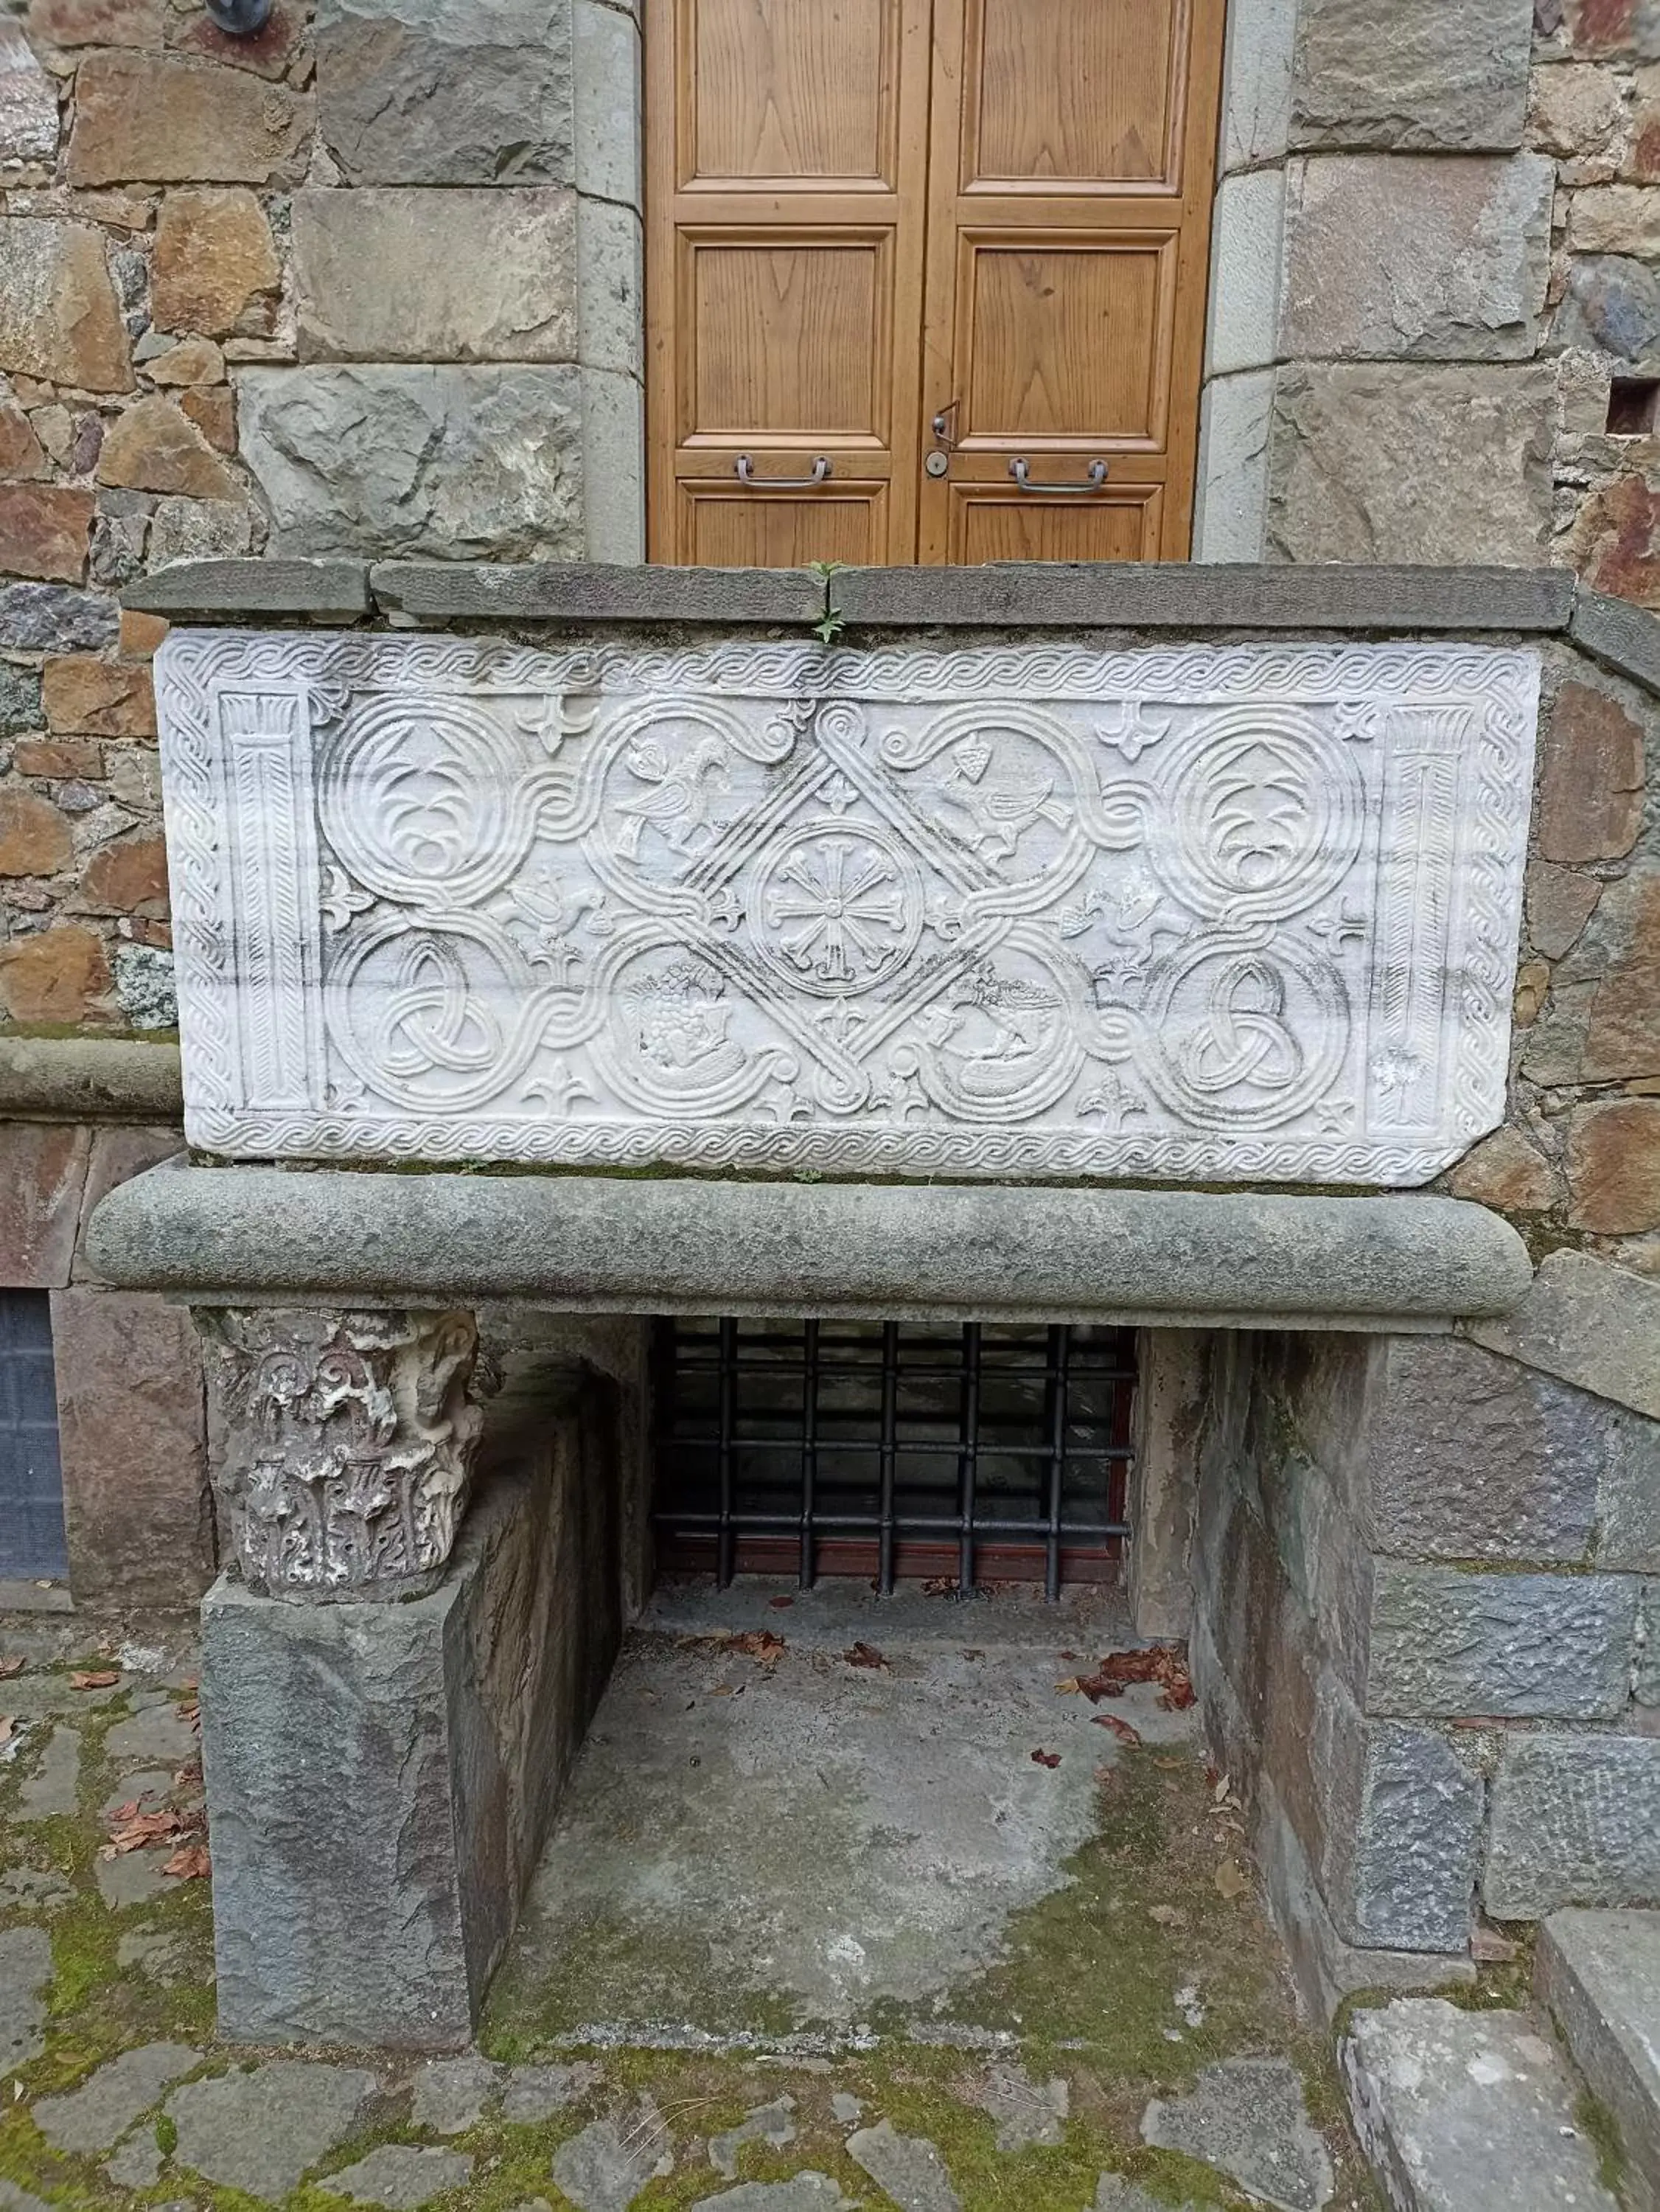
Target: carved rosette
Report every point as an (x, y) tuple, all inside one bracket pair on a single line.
[(1188, 914), (345, 1442)]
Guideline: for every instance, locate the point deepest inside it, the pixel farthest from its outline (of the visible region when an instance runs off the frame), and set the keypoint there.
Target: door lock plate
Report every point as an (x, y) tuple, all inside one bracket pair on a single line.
[(936, 465)]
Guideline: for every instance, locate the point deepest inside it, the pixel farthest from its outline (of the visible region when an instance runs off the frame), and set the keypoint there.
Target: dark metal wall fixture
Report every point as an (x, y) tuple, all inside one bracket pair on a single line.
[(241, 18), (893, 1449)]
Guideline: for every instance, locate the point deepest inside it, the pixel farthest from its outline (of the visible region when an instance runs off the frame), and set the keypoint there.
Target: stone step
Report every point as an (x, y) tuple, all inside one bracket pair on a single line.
[(1599, 1973), (1468, 2111)]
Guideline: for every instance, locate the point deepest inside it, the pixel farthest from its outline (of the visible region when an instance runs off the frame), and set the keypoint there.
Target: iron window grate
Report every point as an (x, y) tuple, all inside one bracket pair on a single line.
[(892, 1448), (32, 1540)]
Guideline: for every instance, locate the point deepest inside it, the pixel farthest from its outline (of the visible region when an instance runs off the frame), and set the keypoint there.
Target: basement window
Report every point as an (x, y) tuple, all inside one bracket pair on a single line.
[(893, 1449), (32, 1541)]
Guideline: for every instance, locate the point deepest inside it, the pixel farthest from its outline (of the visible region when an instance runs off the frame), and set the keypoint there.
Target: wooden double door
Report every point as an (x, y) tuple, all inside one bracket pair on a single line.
[(925, 279)]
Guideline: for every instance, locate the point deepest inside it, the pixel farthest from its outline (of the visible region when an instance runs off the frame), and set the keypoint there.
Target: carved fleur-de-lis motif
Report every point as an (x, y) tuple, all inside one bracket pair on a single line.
[(1130, 728), (1347, 925), (562, 1086), (1112, 1101), (342, 898)]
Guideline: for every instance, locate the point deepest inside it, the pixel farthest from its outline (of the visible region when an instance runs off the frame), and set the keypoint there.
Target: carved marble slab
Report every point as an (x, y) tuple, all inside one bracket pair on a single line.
[(1031, 909)]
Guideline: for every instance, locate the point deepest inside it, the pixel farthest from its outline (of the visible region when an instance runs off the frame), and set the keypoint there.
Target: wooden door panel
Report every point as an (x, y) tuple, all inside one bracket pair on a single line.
[(789, 340), (866, 217), (1074, 94), (796, 93), (1123, 523), (786, 213), (1065, 337), (1070, 169), (724, 527)]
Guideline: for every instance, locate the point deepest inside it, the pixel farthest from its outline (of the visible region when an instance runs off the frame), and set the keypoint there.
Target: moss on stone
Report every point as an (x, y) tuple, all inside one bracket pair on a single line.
[(1602, 2130)]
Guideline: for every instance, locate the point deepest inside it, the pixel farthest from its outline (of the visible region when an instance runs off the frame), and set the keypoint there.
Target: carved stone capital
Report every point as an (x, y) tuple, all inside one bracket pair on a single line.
[(344, 1442)]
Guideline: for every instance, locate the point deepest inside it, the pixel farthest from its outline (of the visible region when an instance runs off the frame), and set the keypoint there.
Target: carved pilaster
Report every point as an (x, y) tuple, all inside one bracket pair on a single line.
[(344, 1443)]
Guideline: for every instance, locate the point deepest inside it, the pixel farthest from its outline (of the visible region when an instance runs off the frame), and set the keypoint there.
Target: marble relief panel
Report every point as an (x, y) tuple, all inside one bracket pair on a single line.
[(1033, 909)]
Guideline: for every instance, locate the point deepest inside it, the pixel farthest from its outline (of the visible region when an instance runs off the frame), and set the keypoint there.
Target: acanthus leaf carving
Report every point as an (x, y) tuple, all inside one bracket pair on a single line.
[(347, 1445)]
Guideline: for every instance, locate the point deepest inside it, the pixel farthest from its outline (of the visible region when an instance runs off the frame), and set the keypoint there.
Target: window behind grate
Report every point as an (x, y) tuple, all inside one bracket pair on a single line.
[(32, 1544), (894, 1448)]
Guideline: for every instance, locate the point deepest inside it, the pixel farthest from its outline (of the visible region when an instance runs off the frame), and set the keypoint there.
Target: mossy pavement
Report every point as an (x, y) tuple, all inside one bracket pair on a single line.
[(1150, 1962)]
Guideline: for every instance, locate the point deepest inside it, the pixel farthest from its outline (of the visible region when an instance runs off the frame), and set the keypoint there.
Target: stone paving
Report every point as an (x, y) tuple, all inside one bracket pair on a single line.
[(1114, 2034)]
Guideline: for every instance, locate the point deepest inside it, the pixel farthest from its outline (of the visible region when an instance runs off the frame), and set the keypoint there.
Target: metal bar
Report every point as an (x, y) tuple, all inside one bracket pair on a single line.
[(712, 1361), (1060, 1345), (949, 1524), (890, 1407), (937, 1447), (810, 1453), (726, 1547), (1093, 481), (744, 469), (968, 1472)]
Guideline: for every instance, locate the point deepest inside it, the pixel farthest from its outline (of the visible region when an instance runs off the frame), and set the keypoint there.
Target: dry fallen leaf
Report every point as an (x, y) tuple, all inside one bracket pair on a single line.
[(940, 1586), (1162, 1665), (1070, 1687), (1231, 1881), (1122, 1730), (1166, 1916), (11, 1667), (865, 1654), (143, 1829), (103, 1678), (7, 1724), (1045, 1758), (191, 1863)]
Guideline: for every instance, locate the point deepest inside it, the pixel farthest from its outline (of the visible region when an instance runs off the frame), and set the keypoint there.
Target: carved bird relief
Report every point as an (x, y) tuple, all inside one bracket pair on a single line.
[(677, 804), (1000, 812)]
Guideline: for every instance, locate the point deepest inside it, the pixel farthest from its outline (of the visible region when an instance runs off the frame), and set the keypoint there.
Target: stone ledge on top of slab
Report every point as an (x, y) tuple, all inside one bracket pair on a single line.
[(573, 591), (231, 590), (101, 1078), (1182, 595), (1055, 595), (675, 1245), (1623, 637)]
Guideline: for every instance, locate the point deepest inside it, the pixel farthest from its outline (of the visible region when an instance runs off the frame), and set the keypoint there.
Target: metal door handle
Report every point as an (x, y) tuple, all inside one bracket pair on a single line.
[(1097, 478), (745, 472)]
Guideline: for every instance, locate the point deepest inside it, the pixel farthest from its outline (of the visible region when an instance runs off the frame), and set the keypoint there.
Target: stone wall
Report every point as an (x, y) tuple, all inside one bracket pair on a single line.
[(137, 1512), (368, 281), (1578, 1160), (1437, 1696), (1437, 245)]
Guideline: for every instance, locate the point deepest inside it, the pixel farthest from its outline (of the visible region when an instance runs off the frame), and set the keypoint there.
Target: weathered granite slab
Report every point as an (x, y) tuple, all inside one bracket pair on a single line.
[(1014, 910), (694, 1244)]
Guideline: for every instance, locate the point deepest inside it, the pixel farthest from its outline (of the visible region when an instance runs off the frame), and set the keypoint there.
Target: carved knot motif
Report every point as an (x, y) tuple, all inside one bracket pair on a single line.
[(1189, 914), (346, 1443)]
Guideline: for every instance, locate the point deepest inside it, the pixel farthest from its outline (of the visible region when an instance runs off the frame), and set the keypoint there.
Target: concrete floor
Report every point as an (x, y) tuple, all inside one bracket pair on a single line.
[(800, 1846)]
